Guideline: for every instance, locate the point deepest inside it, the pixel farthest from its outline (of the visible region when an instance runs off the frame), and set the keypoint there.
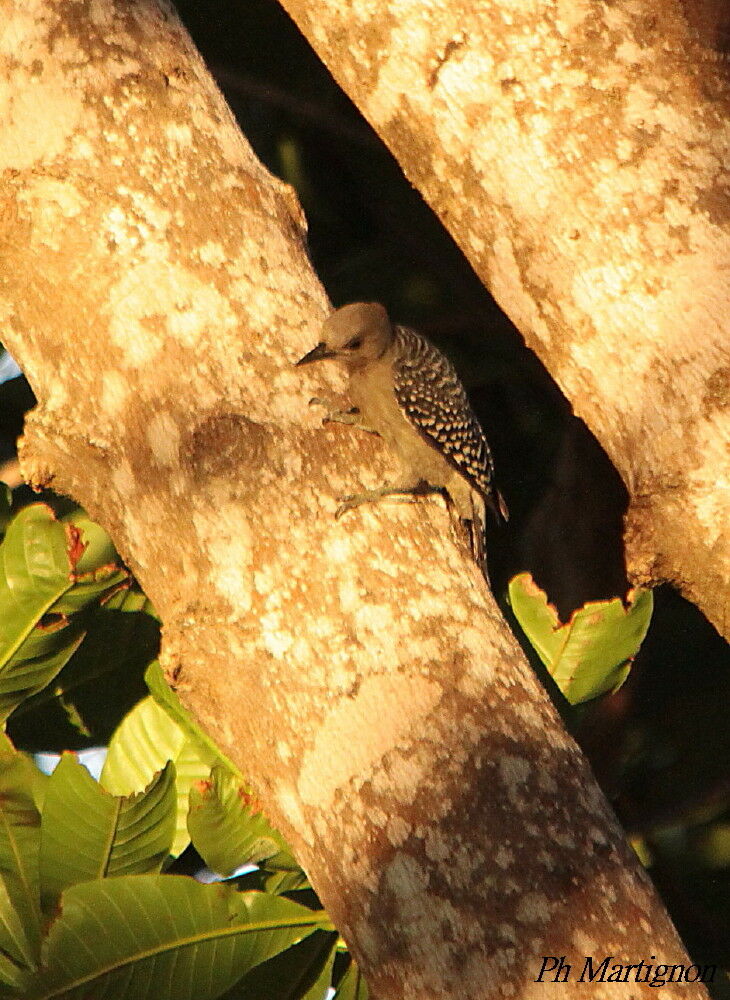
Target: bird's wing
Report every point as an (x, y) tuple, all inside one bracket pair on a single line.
[(429, 392)]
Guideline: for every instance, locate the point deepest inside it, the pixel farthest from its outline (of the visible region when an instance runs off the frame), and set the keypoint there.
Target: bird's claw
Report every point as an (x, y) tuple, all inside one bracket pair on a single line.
[(346, 503), (394, 493), (335, 416)]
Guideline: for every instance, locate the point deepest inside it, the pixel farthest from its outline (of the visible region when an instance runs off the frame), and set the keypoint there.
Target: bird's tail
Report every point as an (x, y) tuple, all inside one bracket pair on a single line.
[(498, 506), (476, 527)]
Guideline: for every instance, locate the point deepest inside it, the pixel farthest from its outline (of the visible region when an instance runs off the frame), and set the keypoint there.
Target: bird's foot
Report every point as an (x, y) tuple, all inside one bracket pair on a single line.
[(399, 493), (335, 416)]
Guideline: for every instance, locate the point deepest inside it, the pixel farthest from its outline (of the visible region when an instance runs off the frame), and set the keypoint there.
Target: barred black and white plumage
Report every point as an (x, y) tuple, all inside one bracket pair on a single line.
[(434, 400), (406, 391)]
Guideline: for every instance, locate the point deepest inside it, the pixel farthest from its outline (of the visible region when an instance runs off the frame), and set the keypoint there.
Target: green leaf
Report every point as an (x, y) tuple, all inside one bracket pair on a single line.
[(162, 936), (321, 986), (86, 833), (19, 845), (538, 619), (6, 503), (302, 972), (229, 830), (130, 600), (17, 955), (98, 549), (42, 655), (281, 882), (352, 986), (39, 577), (101, 682), (145, 740), (593, 652), (96, 566), (167, 699)]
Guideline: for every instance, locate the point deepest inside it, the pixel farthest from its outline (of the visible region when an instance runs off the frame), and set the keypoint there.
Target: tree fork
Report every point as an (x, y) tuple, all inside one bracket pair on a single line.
[(577, 153), (155, 290)]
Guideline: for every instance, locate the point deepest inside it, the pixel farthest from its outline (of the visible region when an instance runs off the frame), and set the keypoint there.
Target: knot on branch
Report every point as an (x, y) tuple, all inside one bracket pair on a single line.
[(225, 444)]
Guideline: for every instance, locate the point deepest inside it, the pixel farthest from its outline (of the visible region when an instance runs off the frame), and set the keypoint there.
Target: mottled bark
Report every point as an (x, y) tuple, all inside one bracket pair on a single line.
[(578, 153), (155, 289)]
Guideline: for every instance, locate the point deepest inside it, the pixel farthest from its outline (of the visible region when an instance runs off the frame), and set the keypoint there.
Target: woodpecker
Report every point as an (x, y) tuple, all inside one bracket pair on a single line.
[(405, 390)]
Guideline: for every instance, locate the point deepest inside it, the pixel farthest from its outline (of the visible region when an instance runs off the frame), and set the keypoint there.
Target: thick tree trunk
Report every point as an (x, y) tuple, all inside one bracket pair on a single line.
[(578, 153), (155, 289)]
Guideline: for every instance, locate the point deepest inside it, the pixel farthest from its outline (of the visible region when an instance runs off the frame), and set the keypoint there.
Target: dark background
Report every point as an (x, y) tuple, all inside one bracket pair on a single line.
[(661, 746)]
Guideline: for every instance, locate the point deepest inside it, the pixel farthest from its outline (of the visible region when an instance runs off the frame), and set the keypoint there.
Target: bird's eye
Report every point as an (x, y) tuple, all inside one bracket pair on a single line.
[(354, 345)]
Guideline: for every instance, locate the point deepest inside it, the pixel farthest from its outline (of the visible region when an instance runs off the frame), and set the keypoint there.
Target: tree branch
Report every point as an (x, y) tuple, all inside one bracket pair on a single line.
[(577, 153), (155, 291)]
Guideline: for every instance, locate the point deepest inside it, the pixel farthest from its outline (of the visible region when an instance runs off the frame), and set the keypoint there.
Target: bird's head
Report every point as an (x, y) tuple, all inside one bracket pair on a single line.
[(355, 334)]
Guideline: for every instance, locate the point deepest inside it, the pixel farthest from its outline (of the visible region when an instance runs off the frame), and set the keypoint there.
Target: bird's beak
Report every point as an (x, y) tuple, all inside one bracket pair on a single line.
[(318, 353)]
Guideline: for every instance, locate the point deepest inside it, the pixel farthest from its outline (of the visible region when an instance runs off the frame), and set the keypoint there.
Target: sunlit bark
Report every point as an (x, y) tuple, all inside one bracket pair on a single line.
[(155, 289), (577, 152)]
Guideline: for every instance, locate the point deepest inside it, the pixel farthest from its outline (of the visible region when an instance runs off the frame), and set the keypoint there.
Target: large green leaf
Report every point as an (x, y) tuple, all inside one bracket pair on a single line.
[(6, 502), (86, 833), (102, 681), (593, 652), (280, 881), (321, 986), (18, 956), (48, 571), (302, 972), (97, 549), (352, 986), (229, 830), (131, 599), (19, 846), (164, 937), (143, 743), (225, 822), (167, 699), (42, 655)]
